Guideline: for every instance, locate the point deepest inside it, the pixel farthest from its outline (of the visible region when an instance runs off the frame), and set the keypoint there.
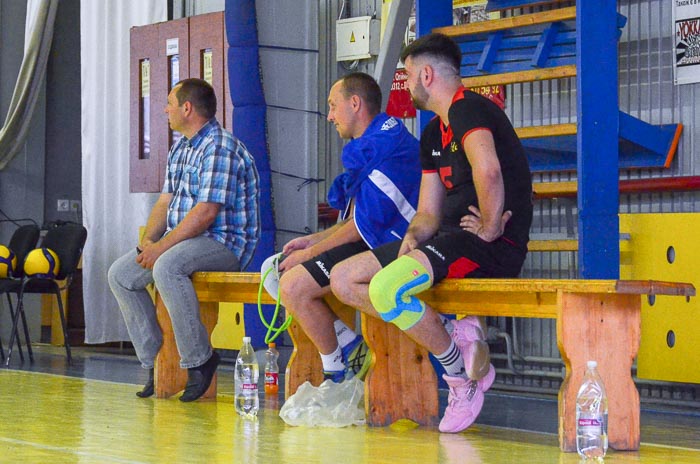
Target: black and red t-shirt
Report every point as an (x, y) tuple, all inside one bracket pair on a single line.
[(442, 151)]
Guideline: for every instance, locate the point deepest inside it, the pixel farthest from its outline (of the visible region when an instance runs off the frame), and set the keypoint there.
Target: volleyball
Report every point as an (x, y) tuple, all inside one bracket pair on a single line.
[(42, 262), (8, 262)]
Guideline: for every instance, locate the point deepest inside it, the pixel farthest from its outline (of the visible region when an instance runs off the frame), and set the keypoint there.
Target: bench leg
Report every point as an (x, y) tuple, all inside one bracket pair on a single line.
[(169, 377), (401, 382), (305, 362), (605, 328)]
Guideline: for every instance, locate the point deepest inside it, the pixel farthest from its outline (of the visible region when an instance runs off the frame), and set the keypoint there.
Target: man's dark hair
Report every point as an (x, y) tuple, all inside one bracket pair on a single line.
[(200, 94), (364, 86), (437, 46)]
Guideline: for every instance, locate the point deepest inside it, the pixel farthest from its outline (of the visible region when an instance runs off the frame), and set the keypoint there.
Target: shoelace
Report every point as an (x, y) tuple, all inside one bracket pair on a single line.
[(358, 360), (472, 386)]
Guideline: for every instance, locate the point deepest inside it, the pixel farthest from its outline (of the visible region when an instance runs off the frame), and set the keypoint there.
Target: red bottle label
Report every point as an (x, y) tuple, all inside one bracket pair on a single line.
[(271, 382)]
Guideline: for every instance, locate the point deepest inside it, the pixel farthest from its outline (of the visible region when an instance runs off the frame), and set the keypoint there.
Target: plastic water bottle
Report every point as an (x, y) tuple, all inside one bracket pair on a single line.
[(246, 381), (591, 415), (272, 370)]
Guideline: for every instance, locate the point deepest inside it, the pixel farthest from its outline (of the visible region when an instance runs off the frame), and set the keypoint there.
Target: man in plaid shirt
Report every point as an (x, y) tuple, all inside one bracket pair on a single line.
[(206, 219)]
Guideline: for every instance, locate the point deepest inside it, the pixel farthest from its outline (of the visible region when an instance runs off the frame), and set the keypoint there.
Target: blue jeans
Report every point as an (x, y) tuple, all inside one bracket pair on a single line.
[(171, 274)]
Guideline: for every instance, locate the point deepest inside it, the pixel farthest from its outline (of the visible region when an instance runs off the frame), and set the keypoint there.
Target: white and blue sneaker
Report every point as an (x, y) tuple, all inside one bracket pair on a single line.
[(357, 358)]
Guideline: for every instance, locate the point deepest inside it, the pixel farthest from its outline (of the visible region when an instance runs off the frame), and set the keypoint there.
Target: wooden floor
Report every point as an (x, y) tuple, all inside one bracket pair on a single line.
[(50, 413)]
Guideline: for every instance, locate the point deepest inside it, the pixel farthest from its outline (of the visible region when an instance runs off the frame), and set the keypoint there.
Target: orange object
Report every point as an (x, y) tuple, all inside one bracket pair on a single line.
[(272, 382)]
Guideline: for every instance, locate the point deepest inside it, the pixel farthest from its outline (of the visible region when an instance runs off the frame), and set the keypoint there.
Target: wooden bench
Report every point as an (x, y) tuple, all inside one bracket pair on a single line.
[(596, 319), (235, 287)]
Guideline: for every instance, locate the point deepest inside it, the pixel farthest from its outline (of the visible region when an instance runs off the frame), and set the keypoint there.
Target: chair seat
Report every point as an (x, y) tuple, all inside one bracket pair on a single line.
[(32, 286), (10, 285), (41, 286)]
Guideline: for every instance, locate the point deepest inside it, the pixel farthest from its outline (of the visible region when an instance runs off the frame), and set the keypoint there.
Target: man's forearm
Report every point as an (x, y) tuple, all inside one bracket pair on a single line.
[(195, 223), (423, 226), (344, 233), (323, 234), (157, 221), (491, 194)]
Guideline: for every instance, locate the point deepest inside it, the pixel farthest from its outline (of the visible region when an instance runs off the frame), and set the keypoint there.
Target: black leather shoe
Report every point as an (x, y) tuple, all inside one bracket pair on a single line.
[(199, 378), (148, 389)]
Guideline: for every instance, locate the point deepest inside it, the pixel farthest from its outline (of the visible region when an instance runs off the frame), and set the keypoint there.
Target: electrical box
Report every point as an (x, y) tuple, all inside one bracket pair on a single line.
[(357, 38)]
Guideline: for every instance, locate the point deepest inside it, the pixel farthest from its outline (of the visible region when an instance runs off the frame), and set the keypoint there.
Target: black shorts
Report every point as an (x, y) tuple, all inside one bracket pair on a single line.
[(458, 254), (320, 266)]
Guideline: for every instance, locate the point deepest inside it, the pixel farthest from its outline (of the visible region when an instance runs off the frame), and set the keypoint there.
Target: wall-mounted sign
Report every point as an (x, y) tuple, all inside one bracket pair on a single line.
[(207, 69), (686, 40), (172, 47), (145, 78), (400, 104)]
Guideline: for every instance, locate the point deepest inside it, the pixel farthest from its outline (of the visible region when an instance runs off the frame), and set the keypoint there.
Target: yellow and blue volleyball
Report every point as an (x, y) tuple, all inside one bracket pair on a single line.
[(8, 262), (43, 263)]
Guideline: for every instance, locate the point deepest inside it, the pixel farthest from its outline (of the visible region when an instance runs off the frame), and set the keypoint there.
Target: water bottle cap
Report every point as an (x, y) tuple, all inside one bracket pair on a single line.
[(592, 364), (271, 345), (246, 339)]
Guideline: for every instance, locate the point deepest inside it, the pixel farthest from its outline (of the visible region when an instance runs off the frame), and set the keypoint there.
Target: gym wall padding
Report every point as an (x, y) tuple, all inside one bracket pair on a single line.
[(249, 125), (661, 247)]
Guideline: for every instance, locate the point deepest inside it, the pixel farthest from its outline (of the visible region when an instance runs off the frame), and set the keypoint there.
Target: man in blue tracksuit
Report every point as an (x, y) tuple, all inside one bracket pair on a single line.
[(378, 194)]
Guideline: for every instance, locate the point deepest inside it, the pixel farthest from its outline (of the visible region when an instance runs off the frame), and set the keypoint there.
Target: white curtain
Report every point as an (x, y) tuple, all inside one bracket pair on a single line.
[(112, 215), (38, 35)]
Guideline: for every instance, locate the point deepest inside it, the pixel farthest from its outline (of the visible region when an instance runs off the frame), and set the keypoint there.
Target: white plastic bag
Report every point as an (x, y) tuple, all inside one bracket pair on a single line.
[(328, 405)]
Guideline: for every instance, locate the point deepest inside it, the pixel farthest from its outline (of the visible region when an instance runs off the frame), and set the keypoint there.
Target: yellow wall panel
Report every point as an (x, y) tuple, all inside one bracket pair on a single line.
[(230, 330), (665, 246)]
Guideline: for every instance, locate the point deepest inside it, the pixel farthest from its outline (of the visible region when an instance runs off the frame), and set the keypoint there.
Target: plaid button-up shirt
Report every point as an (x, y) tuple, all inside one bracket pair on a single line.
[(215, 167)]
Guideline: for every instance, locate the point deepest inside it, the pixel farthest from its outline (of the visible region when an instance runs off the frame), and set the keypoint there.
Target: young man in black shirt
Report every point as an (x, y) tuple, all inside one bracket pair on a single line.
[(473, 220)]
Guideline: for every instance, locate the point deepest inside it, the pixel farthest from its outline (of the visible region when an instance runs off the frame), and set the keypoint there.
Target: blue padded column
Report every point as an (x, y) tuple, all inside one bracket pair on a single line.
[(597, 139), (249, 122), (431, 14)]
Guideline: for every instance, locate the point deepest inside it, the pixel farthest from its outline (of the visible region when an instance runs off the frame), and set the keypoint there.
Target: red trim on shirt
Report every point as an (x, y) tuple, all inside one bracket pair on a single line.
[(508, 241), (446, 132), (430, 171), (446, 135), (459, 94), (474, 130)]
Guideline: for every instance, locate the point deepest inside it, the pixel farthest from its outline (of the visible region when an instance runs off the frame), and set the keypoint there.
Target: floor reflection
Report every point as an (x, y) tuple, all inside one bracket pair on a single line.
[(88, 413)]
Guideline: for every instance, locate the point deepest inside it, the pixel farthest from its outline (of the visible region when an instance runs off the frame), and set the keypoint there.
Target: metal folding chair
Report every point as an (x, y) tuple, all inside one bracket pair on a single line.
[(23, 240), (67, 241)]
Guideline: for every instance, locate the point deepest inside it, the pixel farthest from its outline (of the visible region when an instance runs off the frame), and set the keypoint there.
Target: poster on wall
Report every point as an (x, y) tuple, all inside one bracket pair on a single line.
[(400, 104), (471, 11), (686, 39)]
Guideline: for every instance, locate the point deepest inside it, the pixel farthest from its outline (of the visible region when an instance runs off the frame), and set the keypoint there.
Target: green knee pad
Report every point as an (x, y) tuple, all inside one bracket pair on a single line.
[(391, 292)]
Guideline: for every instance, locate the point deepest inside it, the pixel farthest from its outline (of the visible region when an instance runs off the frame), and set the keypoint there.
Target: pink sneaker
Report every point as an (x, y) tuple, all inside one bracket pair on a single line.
[(459, 448), (469, 338), (466, 397), (464, 404)]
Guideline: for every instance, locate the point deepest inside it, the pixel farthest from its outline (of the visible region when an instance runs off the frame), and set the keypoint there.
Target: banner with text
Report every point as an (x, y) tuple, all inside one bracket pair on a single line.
[(686, 35)]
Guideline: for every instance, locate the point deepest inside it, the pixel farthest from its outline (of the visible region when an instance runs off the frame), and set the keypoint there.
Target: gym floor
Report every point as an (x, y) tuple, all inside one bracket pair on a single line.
[(88, 413)]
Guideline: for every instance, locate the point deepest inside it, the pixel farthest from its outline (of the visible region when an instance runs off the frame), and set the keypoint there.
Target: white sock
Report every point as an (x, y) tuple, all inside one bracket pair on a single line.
[(447, 323), (344, 333), (334, 361), (452, 361)]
